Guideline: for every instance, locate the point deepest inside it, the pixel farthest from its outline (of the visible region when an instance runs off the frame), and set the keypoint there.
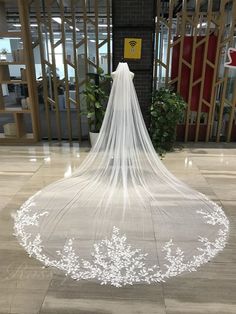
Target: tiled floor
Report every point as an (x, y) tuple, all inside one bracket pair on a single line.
[(27, 288)]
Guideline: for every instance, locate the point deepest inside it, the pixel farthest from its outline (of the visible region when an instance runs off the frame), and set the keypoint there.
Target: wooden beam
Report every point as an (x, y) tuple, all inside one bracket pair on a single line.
[(197, 6), (63, 42), (30, 69), (205, 57)]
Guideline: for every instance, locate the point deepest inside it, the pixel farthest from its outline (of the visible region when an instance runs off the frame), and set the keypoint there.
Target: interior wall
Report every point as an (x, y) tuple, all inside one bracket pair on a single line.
[(135, 19)]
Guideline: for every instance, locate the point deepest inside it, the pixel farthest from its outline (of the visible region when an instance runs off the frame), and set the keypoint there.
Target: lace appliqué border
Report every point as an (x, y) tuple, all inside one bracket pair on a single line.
[(114, 261)]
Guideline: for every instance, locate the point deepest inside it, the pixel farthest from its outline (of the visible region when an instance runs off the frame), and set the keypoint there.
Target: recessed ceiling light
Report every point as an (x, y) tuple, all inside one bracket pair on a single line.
[(104, 25), (201, 24), (57, 19), (19, 25), (71, 27)]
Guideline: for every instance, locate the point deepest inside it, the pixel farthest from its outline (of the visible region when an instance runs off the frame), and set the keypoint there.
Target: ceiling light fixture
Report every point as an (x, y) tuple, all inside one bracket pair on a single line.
[(71, 27), (204, 24), (104, 25), (57, 20), (19, 25)]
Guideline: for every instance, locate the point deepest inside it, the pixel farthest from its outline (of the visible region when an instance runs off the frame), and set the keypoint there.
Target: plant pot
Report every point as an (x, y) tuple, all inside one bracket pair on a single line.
[(93, 138), (10, 129)]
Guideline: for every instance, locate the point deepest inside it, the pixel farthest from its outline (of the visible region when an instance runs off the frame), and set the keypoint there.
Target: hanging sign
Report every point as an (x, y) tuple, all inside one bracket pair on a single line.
[(232, 58), (133, 47)]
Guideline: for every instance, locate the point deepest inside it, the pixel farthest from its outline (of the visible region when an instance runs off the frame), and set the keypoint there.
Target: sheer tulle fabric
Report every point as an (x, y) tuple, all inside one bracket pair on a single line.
[(122, 218)]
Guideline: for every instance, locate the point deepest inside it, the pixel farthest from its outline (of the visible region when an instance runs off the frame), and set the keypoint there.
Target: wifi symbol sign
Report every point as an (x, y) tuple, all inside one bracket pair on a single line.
[(132, 43), (132, 48)]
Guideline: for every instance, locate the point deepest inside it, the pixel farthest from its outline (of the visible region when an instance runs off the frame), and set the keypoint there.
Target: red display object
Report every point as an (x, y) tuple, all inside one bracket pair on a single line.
[(232, 58), (197, 74)]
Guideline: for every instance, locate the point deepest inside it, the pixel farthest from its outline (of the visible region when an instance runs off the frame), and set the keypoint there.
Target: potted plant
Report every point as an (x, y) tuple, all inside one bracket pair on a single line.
[(3, 54), (96, 95), (166, 110)]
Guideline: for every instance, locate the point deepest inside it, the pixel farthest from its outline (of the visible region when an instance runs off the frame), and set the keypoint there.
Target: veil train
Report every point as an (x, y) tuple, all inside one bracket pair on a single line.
[(122, 217)]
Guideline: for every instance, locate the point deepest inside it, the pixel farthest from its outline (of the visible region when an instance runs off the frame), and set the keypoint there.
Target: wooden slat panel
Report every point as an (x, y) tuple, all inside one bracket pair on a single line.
[(96, 32), (52, 102), (196, 22), (232, 114), (85, 36), (80, 43), (176, 42), (43, 63), (197, 5), (171, 8), (198, 81), (63, 41), (206, 103), (77, 71), (54, 73), (186, 63), (68, 21), (233, 104), (182, 33), (59, 42), (229, 41), (162, 64), (206, 40), (30, 70), (210, 63), (102, 43), (108, 36), (156, 51)]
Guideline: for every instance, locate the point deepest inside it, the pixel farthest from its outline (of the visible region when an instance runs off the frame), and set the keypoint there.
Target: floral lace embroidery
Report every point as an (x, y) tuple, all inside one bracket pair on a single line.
[(114, 261)]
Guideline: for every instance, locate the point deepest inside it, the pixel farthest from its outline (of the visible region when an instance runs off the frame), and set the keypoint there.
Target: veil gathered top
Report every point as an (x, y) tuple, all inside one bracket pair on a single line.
[(122, 218)]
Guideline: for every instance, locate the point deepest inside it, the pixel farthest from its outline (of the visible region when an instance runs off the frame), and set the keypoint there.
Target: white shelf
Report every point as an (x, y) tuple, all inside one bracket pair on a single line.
[(15, 110), (14, 82), (11, 63)]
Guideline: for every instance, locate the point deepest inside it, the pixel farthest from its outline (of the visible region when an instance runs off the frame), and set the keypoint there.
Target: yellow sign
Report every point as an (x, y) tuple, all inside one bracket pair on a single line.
[(133, 48)]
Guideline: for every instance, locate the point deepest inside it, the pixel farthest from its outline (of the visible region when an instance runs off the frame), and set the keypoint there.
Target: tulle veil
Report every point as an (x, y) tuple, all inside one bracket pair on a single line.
[(122, 217)]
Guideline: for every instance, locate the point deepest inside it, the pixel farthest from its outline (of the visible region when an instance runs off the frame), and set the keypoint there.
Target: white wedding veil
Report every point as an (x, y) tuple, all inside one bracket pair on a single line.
[(122, 217)]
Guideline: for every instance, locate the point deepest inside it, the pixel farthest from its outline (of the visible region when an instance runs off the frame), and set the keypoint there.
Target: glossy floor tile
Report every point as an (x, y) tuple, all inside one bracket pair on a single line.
[(27, 288)]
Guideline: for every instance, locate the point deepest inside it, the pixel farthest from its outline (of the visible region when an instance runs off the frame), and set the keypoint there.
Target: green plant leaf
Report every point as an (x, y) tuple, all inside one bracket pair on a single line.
[(154, 113), (95, 97), (97, 104), (91, 97), (90, 115), (166, 110), (100, 71)]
